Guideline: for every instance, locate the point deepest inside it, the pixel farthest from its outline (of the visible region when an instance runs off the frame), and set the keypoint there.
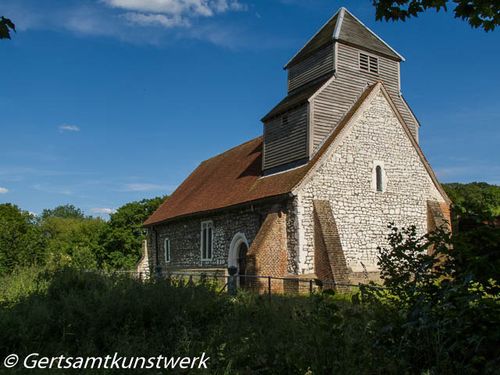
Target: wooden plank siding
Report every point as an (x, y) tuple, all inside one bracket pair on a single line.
[(354, 33), (285, 143), (332, 103), (311, 68)]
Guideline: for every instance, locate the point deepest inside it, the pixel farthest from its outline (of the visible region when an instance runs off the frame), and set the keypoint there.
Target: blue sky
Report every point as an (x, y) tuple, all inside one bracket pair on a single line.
[(107, 101)]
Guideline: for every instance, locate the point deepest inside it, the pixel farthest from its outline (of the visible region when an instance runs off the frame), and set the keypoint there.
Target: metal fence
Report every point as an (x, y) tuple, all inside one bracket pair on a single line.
[(268, 285)]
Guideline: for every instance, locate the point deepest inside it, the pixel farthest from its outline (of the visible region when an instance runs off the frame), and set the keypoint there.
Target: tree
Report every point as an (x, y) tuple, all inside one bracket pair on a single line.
[(123, 242), (67, 211), (6, 26), (476, 201), (479, 13), (21, 242), (441, 300), (73, 241)]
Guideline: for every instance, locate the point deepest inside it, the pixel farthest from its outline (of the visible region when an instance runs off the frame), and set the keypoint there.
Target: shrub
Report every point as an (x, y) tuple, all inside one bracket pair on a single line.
[(448, 309)]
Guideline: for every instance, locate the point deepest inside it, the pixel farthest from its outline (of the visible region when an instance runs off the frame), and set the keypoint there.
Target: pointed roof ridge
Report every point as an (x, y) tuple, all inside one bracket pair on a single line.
[(338, 26), (374, 34), (337, 22), (311, 38)]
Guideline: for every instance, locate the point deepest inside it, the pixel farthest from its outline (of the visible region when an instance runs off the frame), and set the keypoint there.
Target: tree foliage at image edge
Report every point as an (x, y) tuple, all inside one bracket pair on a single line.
[(483, 14)]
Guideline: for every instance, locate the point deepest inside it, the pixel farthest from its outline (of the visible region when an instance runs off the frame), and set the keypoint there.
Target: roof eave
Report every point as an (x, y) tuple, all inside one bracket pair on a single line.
[(264, 200)]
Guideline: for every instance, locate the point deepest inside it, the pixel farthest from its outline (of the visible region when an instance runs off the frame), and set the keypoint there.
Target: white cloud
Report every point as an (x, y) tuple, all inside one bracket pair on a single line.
[(172, 13), (142, 187), (189, 8), (68, 128), (155, 20), (103, 210), (3, 190)]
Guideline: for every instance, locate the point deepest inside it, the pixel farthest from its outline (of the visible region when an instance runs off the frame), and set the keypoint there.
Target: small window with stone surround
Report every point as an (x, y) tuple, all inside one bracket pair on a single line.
[(378, 174), (207, 234), (379, 182), (166, 250)]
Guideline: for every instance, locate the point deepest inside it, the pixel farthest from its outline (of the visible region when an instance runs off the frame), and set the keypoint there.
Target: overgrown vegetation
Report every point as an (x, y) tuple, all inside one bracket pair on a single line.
[(439, 314)]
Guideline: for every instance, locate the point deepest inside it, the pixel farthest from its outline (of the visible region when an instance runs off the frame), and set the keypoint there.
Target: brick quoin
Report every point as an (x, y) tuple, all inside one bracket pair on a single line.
[(330, 263)]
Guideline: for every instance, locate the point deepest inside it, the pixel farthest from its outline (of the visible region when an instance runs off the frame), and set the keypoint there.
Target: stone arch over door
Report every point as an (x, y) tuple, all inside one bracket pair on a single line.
[(238, 239)]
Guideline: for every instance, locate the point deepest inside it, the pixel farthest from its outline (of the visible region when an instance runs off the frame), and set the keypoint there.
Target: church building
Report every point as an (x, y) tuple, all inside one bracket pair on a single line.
[(338, 160)]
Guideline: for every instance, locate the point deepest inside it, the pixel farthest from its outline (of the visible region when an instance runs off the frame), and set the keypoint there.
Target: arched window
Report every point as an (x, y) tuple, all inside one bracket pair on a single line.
[(166, 249), (378, 177), (207, 240)]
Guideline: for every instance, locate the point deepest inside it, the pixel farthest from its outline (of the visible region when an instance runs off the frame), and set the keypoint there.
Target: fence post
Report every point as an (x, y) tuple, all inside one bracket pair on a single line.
[(310, 287), (232, 281), (269, 287)]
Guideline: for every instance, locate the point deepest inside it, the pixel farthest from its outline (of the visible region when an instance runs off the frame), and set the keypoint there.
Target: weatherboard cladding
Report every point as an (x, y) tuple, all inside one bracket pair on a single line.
[(334, 50), (322, 37), (355, 33), (315, 66), (296, 98), (350, 75), (285, 142), (330, 104)]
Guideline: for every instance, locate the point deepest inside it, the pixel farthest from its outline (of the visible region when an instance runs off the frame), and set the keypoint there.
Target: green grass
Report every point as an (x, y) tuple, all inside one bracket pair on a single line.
[(85, 314)]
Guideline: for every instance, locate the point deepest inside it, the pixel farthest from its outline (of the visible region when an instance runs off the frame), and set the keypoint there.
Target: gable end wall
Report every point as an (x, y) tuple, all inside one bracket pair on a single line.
[(345, 179)]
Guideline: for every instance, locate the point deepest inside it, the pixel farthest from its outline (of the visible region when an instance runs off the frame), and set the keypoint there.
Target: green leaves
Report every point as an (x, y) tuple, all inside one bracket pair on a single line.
[(6, 26), (448, 294), (123, 239), (21, 243), (67, 211), (64, 236), (476, 201), (483, 14)]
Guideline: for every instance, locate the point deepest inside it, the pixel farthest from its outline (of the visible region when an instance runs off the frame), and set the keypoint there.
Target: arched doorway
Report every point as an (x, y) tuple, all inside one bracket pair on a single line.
[(238, 255), (242, 264)]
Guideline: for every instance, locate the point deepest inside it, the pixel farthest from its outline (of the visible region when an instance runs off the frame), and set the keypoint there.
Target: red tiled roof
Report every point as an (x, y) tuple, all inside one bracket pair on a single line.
[(231, 178)]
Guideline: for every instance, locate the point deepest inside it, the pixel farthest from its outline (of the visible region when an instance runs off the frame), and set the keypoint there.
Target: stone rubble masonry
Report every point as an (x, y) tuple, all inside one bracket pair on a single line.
[(185, 239), (345, 179), (330, 261)]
